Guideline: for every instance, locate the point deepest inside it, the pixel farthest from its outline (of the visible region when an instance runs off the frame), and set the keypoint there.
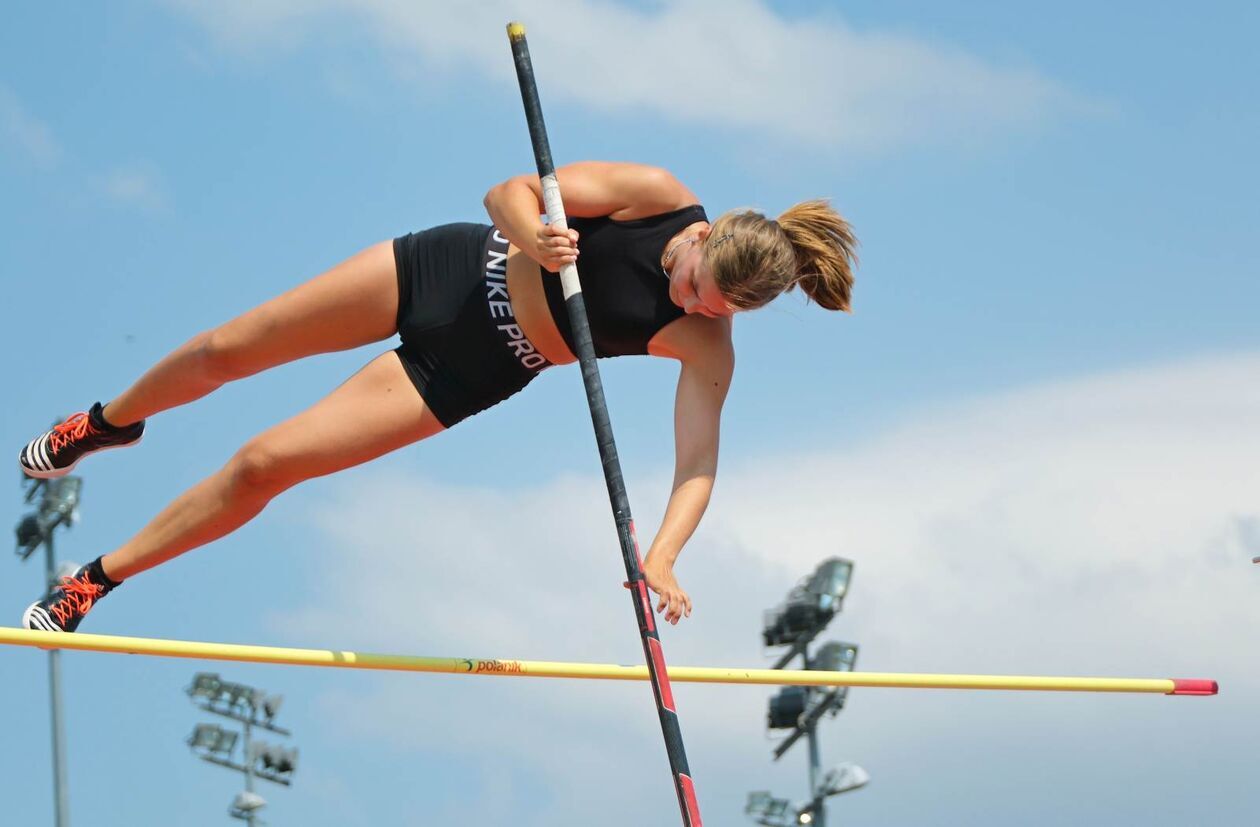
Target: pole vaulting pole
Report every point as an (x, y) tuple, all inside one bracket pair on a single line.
[(670, 728), (495, 667)]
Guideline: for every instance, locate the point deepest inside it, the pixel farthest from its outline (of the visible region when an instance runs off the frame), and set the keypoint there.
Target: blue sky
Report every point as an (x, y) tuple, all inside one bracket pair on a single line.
[(1035, 435)]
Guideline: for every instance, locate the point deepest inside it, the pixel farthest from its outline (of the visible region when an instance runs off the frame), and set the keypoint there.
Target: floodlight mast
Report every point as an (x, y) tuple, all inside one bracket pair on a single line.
[(809, 608), (211, 693), (58, 506)]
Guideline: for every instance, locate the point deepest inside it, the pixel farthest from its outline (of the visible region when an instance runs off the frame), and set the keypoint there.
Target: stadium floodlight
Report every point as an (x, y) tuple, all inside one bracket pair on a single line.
[(246, 806), (62, 498), (787, 706), (830, 583), (213, 739), (30, 532), (778, 807), (205, 685), (810, 606), (226, 743), (844, 778), (205, 736), (236, 696), (835, 657), (255, 698), (767, 809), (252, 708), (277, 759), (271, 705), (757, 802), (237, 701), (248, 802)]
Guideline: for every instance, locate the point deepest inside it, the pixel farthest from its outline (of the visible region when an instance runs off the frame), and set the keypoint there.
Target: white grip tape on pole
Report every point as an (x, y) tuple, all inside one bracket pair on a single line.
[(555, 216)]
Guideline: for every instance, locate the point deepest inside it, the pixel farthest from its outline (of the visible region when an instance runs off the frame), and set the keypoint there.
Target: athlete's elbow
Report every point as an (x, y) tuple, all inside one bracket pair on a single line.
[(698, 477), (494, 197)]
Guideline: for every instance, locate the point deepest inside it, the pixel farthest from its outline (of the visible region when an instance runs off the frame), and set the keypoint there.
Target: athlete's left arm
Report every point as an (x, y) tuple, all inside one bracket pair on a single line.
[(703, 345)]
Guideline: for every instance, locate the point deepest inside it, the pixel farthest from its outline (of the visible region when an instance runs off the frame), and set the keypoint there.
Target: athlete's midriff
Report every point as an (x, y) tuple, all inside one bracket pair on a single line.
[(529, 304)]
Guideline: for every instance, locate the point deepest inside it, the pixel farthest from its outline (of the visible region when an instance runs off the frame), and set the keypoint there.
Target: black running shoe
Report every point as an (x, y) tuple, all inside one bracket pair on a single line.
[(64, 607), (55, 453)]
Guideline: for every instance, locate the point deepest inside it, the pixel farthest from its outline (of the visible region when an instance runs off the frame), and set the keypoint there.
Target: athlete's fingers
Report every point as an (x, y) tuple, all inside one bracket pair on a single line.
[(566, 237)]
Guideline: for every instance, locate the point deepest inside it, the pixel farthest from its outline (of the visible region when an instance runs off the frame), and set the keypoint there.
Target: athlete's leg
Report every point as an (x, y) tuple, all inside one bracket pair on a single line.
[(376, 411), (353, 304)]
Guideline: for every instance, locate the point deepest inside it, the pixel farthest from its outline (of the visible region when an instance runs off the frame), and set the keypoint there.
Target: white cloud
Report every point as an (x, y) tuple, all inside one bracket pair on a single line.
[(137, 185), (31, 136), (1097, 526), (733, 64)]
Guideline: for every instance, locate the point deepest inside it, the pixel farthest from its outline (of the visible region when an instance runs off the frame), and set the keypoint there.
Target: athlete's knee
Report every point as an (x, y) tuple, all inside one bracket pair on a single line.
[(225, 354), (258, 469)]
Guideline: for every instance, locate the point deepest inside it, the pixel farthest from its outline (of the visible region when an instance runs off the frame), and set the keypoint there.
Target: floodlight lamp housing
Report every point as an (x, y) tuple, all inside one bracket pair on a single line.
[(227, 742), (798, 618), (786, 707), (30, 533), (236, 696), (204, 736), (205, 685), (284, 761), (835, 657), (757, 802), (62, 495), (777, 807), (248, 802), (844, 778), (830, 583), (271, 706)]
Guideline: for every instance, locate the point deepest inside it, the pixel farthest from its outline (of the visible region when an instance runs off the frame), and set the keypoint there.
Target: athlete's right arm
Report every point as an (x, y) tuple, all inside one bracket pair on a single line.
[(589, 188)]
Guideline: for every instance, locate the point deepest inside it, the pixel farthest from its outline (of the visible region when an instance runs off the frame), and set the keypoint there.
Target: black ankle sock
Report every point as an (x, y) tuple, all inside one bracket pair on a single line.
[(96, 573), (97, 414)]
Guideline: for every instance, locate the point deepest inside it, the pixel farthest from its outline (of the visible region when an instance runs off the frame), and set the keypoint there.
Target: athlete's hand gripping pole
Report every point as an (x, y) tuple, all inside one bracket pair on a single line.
[(604, 436)]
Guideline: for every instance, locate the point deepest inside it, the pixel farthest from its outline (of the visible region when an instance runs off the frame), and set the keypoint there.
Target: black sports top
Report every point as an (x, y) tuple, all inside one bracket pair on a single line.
[(625, 290)]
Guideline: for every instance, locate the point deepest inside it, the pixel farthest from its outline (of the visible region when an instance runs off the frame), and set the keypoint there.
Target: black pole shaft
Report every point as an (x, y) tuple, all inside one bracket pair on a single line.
[(653, 654)]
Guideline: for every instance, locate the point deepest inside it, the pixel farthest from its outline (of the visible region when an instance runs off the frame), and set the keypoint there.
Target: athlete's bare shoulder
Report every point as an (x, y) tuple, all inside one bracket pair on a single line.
[(696, 339)]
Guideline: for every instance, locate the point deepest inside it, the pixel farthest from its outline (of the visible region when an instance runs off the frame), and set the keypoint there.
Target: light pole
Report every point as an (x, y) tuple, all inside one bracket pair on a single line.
[(212, 743), (796, 623), (58, 506)]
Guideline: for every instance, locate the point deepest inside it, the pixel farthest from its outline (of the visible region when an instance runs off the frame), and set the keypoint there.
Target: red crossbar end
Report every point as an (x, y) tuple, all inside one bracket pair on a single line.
[(1193, 686)]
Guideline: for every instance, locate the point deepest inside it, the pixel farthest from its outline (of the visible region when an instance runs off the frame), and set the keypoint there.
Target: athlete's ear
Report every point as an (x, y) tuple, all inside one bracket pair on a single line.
[(704, 233)]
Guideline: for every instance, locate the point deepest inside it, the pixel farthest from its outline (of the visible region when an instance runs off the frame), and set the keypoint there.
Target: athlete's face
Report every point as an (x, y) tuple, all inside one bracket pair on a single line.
[(691, 284)]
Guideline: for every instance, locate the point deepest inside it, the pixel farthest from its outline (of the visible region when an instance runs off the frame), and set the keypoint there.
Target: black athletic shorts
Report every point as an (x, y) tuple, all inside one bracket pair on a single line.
[(461, 344)]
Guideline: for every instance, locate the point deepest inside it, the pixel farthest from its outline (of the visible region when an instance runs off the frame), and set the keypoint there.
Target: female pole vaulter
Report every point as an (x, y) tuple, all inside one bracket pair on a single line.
[(479, 317)]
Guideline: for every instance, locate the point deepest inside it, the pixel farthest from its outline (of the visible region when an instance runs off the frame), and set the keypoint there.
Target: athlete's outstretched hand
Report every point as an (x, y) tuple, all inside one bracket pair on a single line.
[(555, 247), (672, 600)]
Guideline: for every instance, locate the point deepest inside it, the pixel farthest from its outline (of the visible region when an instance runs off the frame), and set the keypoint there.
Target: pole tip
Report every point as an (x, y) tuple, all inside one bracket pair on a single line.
[(516, 31), (1193, 686)]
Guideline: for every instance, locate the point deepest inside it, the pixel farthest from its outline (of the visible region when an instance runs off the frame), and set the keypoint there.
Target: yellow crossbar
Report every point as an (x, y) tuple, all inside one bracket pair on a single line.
[(599, 671)]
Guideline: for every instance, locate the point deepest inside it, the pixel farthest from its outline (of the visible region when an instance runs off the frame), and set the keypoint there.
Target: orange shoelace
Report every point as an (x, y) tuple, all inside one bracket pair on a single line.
[(79, 597), (76, 427)]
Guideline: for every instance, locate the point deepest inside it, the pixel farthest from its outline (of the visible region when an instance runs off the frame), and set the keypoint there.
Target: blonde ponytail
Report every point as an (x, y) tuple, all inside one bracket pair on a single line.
[(826, 252), (755, 259)]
